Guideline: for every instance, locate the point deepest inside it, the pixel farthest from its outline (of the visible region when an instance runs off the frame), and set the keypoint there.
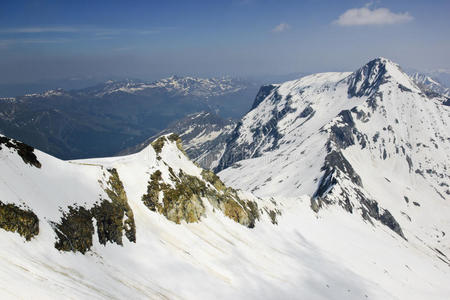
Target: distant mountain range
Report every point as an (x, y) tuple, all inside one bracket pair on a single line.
[(426, 82), (107, 118)]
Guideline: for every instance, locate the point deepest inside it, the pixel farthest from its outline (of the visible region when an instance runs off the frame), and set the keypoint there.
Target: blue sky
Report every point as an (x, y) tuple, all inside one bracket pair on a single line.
[(152, 39)]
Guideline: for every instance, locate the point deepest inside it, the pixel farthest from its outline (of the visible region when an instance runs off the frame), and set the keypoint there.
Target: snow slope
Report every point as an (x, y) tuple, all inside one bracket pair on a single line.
[(330, 256)]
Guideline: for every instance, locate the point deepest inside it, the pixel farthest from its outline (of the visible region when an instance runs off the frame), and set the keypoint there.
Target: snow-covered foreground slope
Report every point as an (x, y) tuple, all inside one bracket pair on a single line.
[(302, 255)]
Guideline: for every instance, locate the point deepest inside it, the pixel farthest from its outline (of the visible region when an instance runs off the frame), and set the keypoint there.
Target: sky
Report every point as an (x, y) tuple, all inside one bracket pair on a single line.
[(43, 39)]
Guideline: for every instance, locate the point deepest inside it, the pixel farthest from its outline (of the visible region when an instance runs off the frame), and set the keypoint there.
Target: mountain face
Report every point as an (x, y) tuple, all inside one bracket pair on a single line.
[(203, 135), (107, 118), (371, 142)]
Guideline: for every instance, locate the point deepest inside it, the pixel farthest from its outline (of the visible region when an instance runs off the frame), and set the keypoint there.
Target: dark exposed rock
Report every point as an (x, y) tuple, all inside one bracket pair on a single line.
[(375, 137), (306, 112), (406, 215), (370, 208), (367, 79), (387, 219), (343, 133), (336, 160), (263, 92), (373, 100), (273, 215), (404, 88), (360, 114), (109, 219), (431, 94), (335, 164), (114, 216), (158, 144), (23, 150), (16, 219), (75, 230), (410, 163)]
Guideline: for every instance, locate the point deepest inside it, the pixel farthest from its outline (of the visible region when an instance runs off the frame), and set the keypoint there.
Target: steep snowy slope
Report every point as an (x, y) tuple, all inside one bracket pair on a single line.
[(124, 214), (203, 135), (369, 141)]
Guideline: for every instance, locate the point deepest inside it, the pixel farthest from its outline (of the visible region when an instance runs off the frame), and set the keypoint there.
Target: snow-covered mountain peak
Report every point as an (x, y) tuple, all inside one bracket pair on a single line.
[(367, 79), (429, 85), (365, 141), (50, 93)]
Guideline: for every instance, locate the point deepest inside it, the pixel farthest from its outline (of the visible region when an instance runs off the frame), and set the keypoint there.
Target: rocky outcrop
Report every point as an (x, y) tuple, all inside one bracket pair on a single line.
[(117, 212), (25, 151), (75, 230), (263, 92), (184, 200), (367, 79), (21, 221), (113, 219), (181, 202)]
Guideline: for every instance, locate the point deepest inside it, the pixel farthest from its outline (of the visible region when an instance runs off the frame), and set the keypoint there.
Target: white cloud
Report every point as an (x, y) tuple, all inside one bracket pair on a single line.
[(281, 27), (368, 16)]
